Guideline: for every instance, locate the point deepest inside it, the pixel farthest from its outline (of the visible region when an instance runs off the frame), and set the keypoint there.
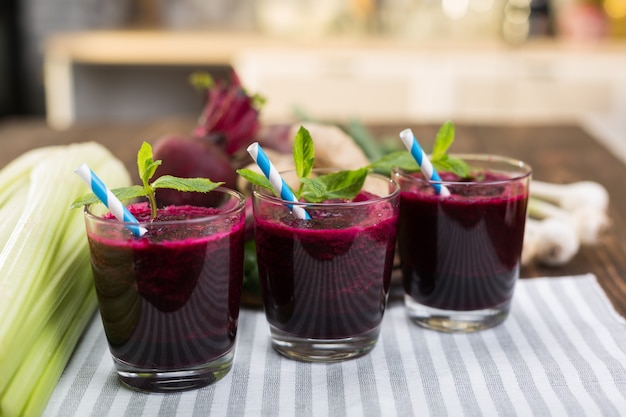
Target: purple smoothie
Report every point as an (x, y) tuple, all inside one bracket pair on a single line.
[(170, 299), (326, 278), (461, 252)]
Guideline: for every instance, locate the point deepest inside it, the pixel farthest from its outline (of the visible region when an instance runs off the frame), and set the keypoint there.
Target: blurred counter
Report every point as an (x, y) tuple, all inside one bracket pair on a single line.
[(142, 75)]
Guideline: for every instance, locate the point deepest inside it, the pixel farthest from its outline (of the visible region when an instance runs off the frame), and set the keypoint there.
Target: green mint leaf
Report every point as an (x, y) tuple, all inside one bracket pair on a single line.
[(198, 185), (313, 191), (201, 81), (129, 193), (255, 178), (440, 159), (146, 168), (84, 201), (303, 153), (400, 159), (445, 137), (123, 194), (258, 101), (344, 185), (145, 164), (455, 165)]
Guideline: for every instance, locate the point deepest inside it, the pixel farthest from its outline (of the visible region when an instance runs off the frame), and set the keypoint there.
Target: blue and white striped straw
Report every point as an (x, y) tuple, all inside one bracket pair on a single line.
[(108, 198), (411, 143), (279, 184)]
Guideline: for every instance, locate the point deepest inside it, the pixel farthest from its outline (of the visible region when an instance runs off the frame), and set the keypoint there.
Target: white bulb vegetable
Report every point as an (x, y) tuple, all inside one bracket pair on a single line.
[(572, 196), (588, 222), (551, 242)]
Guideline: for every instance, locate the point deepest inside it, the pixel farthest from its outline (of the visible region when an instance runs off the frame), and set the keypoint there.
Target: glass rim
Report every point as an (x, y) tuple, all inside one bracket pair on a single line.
[(268, 195), (524, 168), (233, 193)]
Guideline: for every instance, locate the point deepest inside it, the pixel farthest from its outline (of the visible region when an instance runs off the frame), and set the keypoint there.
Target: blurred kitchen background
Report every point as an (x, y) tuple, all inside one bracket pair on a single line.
[(540, 61)]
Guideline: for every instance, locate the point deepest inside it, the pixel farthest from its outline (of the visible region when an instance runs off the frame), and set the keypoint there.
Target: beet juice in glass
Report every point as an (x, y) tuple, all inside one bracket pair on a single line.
[(460, 254), (169, 300), (325, 280)]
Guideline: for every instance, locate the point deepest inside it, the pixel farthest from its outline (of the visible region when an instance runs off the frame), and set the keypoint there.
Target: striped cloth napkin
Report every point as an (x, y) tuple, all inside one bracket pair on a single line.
[(561, 352)]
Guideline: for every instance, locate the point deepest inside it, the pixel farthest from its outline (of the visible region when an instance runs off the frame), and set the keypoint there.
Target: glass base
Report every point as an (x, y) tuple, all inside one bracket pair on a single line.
[(151, 380), (456, 321), (323, 350)]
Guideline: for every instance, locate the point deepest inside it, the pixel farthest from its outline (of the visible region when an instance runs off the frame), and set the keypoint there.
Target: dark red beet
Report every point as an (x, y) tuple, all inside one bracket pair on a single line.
[(189, 157), (231, 112)]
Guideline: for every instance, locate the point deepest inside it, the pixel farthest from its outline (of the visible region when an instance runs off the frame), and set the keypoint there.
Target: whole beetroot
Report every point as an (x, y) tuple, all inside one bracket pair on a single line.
[(229, 111), (189, 157), (228, 123)]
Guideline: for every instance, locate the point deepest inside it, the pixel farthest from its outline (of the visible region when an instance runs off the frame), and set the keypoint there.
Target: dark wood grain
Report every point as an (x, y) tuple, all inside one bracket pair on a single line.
[(561, 154)]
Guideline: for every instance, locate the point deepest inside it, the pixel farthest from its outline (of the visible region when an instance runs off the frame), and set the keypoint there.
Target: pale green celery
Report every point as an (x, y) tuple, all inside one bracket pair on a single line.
[(10, 214), (44, 253), (39, 353), (30, 250), (14, 181), (49, 377), (16, 173), (68, 268), (27, 256)]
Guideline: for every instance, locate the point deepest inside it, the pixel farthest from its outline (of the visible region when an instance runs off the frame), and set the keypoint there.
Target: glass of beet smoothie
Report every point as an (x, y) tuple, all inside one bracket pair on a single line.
[(169, 300), (460, 254), (325, 280)]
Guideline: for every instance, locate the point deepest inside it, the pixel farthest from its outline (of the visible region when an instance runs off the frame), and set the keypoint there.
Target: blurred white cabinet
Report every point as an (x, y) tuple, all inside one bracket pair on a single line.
[(141, 75), (480, 84)]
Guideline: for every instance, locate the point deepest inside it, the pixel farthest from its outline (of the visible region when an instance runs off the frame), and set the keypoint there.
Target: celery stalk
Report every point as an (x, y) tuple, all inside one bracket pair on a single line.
[(53, 298), (28, 255), (46, 289), (18, 392), (53, 370), (10, 213), (34, 243), (14, 175)]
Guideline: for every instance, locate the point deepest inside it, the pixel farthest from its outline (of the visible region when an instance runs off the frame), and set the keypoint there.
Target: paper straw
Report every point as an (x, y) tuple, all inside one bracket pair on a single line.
[(105, 195), (411, 143), (279, 184)]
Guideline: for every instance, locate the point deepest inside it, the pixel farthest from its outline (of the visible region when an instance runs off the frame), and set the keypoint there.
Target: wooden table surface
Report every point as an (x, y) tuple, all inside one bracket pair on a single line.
[(564, 153)]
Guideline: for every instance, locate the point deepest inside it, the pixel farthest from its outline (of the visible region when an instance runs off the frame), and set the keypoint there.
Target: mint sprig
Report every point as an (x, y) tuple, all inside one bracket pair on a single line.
[(439, 156), (344, 185), (147, 167), (303, 153), (337, 185)]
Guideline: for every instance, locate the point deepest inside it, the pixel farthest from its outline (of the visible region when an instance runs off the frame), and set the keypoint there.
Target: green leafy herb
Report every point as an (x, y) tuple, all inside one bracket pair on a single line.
[(343, 185), (337, 185), (443, 140), (303, 153), (400, 159), (255, 178), (147, 167), (439, 157)]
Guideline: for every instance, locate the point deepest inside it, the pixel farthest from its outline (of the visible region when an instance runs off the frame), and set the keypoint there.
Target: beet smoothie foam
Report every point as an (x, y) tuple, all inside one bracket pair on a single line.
[(169, 300), (325, 280), (322, 279), (461, 253)]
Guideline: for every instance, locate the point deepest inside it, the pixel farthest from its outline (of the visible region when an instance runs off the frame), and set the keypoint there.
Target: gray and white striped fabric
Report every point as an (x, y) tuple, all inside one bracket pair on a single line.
[(561, 352)]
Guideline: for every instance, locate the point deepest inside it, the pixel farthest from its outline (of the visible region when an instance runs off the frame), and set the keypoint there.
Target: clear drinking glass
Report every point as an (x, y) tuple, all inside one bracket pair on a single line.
[(460, 254), (169, 300), (325, 281)]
